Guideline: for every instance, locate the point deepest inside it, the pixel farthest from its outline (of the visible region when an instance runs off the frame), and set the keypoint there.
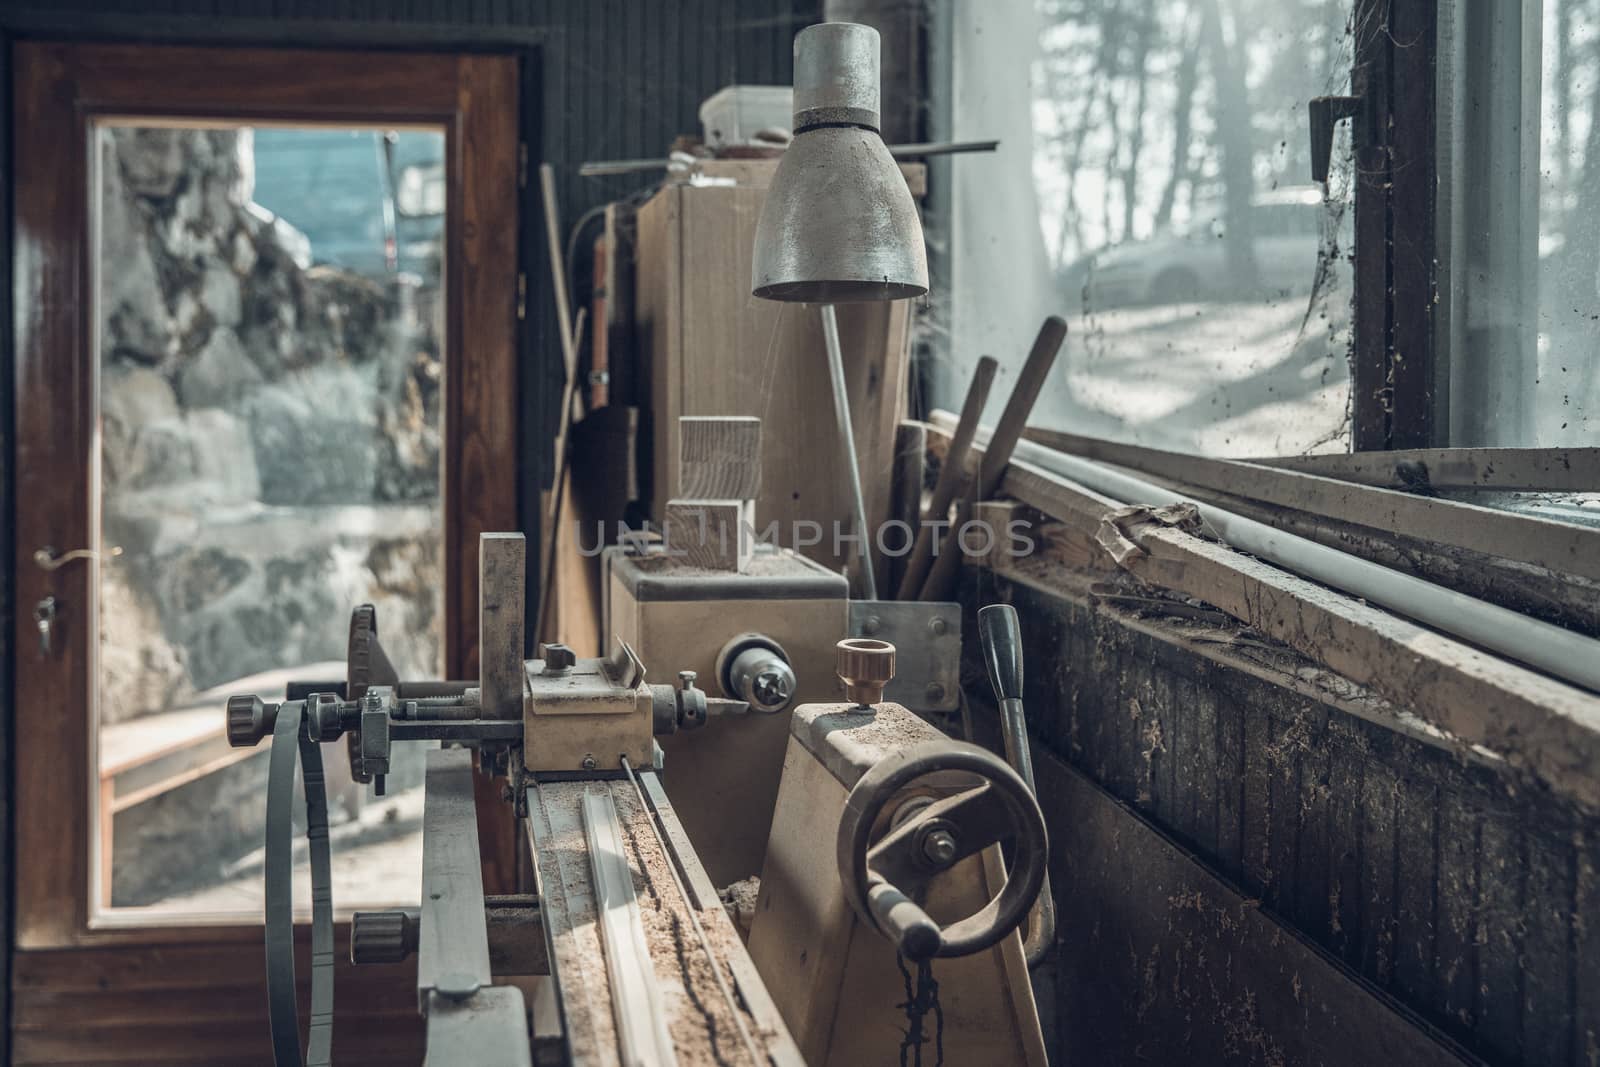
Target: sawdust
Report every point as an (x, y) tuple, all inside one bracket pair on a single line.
[(700, 1019), (567, 900), (739, 900)]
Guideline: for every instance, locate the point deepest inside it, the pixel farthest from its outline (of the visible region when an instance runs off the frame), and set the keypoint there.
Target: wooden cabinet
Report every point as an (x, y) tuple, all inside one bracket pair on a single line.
[(710, 348)]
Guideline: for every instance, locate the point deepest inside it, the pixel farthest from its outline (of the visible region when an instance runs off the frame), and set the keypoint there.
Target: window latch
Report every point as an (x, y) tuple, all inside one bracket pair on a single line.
[(1326, 111)]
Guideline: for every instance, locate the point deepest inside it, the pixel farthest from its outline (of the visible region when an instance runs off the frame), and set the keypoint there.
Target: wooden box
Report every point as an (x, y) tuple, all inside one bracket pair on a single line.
[(710, 348)]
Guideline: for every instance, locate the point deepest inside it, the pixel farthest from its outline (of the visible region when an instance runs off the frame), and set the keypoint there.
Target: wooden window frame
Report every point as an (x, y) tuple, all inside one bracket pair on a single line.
[(60, 90), (1398, 384)]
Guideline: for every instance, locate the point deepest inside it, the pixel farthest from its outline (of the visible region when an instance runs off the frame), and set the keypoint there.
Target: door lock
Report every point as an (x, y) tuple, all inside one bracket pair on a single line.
[(44, 617)]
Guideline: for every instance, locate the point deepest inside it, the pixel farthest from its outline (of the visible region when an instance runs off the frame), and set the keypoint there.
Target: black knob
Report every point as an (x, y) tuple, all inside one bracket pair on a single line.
[(557, 658), (388, 936), (1002, 649), (249, 720)]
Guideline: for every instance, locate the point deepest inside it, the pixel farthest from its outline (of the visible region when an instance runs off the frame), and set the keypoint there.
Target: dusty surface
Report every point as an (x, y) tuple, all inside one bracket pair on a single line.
[(700, 1019), (849, 740), (739, 900)]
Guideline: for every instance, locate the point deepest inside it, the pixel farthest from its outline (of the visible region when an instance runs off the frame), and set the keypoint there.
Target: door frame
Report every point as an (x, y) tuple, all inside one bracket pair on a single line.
[(59, 89)]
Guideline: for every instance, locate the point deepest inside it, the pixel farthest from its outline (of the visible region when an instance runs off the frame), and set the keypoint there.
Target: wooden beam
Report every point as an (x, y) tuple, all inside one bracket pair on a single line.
[(719, 457), (1544, 727), (1538, 542), (1555, 470), (502, 584)]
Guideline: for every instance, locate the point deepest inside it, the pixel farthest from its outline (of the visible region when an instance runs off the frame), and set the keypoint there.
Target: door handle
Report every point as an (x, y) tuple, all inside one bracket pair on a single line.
[(48, 559)]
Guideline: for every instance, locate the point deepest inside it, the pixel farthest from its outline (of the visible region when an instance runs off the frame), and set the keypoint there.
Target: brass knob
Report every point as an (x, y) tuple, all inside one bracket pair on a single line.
[(865, 666)]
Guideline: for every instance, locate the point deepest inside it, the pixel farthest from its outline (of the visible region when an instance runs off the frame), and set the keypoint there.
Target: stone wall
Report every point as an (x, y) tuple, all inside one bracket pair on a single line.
[(270, 433)]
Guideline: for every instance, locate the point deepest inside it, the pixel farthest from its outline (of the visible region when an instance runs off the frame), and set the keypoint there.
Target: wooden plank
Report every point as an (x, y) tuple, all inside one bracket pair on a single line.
[(1586, 950), (1379, 793), (1501, 929), (1416, 888), (719, 457), (1257, 800), (502, 569), (1556, 470), (1230, 787), (1345, 782), (659, 326), (1202, 708), (1171, 964), (1540, 725), (717, 535), (1312, 909), (1548, 595), (905, 504), (197, 1003), (1454, 956), (1538, 542), (717, 350), (1548, 992), (1285, 746)]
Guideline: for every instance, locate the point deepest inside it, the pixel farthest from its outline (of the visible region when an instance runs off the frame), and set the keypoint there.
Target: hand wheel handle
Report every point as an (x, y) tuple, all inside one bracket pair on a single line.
[(880, 878)]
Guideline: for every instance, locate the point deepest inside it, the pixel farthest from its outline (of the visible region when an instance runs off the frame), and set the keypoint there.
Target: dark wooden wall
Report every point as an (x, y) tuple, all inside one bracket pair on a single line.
[(605, 79), (1471, 901)]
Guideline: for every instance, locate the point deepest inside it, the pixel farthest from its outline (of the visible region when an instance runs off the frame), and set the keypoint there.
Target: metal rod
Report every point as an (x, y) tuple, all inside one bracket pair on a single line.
[(923, 149), (1557, 651), (635, 993), (841, 407), (694, 920)]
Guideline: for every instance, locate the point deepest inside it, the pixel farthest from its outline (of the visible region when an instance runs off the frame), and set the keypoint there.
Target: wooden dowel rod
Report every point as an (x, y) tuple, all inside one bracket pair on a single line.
[(992, 468), (952, 476)]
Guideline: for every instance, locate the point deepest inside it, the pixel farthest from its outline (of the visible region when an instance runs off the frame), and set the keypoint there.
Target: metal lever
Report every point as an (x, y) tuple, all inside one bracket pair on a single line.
[(1001, 638), (48, 559), (1326, 111)]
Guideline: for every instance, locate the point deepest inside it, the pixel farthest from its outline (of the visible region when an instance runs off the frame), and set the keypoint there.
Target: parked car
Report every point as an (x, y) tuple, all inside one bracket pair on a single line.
[(370, 201), (1190, 263)]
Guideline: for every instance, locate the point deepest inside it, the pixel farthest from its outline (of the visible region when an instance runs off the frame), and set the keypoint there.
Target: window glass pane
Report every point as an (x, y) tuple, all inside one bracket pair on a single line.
[(1153, 187), (269, 346), (1523, 251), (1567, 376)]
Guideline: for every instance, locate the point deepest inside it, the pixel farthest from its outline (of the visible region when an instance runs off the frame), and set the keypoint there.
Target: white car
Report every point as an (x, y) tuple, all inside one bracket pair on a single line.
[(1174, 266)]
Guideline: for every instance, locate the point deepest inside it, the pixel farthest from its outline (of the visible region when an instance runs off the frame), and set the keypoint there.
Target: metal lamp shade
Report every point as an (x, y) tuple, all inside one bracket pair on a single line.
[(838, 225)]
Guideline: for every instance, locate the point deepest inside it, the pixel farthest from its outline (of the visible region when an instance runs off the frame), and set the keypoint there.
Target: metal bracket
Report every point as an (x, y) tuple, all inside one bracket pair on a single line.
[(1326, 112), (926, 636)]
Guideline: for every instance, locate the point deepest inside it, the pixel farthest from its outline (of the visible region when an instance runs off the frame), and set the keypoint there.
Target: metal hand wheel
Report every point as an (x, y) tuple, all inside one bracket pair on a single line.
[(881, 878)]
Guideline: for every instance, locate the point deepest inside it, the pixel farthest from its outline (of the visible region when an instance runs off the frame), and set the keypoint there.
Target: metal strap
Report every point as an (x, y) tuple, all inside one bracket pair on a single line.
[(288, 741), (319, 1037)]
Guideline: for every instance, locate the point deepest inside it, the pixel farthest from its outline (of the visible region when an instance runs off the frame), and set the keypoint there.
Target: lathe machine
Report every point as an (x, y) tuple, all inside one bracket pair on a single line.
[(886, 927)]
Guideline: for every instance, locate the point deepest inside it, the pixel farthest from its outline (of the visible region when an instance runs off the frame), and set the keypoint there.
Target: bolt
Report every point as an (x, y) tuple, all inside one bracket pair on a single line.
[(590, 763), (934, 692), (872, 625), (771, 689), (938, 625), (455, 985), (686, 679), (939, 847), (557, 658)]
